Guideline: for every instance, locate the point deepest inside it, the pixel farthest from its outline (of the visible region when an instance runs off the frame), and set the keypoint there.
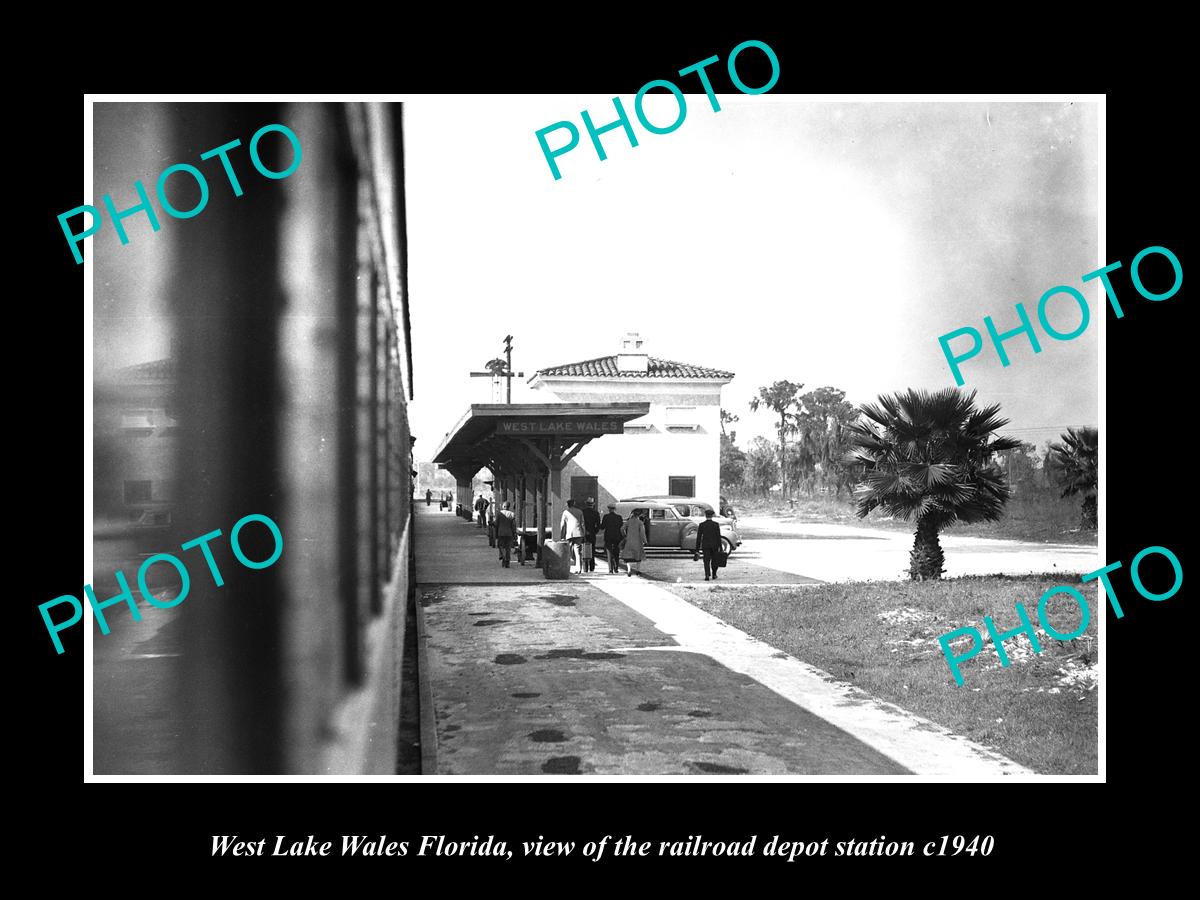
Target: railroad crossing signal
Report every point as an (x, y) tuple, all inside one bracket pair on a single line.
[(501, 368)]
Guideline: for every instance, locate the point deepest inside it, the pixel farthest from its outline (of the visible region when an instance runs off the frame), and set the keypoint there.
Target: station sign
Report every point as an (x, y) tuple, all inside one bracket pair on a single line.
[(583, 427)]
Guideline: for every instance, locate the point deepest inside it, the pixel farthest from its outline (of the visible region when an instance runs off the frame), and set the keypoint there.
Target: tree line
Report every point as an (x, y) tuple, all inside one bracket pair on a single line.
[(932, 458), (809, 456)]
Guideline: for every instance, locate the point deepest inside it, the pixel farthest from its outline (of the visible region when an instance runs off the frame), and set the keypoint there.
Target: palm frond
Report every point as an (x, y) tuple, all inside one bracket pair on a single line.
[(1075, 461), (926, 454)]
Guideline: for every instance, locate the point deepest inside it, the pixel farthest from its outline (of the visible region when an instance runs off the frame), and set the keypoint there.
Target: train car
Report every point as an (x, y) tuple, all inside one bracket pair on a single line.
[(251, 358)]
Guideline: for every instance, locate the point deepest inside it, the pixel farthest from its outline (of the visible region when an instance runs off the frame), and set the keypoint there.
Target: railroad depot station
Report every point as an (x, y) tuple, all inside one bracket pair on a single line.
[(659, 420)]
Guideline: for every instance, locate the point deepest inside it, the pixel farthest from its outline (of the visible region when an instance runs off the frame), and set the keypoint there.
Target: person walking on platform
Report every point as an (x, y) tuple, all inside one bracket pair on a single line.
[(708, 542), (571, 526), (611, 525), (481, 506), (428, 496), (591, 525), (633, 544), (506, 530)]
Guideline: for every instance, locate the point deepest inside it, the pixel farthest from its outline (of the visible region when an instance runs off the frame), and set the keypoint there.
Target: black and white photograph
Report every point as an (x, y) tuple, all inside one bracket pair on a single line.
[(764, 445)]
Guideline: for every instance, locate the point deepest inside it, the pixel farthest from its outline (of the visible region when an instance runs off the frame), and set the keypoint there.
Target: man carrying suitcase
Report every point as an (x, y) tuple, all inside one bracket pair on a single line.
[(708, 542)]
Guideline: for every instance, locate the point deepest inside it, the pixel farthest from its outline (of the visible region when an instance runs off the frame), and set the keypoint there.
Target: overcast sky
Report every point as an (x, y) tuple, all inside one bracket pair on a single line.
[(828, 243), (825, 243)]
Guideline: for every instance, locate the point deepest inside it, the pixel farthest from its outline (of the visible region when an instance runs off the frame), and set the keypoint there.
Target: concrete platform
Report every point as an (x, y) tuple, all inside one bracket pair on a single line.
[(609, 675), (451, 550)]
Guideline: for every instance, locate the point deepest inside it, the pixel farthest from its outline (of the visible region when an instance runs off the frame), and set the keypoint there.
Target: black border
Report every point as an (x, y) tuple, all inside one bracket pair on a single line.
[(1146, 498)]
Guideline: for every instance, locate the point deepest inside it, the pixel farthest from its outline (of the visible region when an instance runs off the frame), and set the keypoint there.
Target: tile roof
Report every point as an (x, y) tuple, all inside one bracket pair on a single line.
[(606, 367)]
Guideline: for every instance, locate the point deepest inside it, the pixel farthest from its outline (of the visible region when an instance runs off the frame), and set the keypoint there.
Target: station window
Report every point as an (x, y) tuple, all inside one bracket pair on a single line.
[(681, 485), (682, 417)]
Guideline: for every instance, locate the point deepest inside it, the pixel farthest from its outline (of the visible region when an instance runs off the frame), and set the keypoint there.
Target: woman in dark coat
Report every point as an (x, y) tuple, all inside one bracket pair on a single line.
[(633, 543)]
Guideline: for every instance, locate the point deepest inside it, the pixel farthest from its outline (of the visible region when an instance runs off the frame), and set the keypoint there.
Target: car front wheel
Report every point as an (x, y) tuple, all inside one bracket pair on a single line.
[(726, 546)]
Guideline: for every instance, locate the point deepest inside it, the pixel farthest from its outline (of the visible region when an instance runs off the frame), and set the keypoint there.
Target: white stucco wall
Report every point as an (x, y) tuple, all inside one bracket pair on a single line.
[(643, 459)]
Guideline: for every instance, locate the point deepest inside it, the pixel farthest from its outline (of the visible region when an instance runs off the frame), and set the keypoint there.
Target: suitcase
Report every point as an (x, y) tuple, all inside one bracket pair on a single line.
[(556, 560), (722, 559)]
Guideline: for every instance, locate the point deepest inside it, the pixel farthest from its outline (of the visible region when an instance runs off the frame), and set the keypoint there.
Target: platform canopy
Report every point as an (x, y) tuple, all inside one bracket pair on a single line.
[(513, 438), (526, 446)]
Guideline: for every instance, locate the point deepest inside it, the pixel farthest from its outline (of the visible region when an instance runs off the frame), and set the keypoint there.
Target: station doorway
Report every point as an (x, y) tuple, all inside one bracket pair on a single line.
[(583, 487)]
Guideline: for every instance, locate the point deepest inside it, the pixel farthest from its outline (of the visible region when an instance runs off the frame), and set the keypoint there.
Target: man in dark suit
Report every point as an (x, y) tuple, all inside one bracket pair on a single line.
[(611, 525), (708, 542), (506, 530), (591, 525)]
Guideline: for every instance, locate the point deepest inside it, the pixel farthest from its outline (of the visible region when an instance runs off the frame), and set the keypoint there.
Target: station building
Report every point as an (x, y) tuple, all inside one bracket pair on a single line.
[(674, 449)]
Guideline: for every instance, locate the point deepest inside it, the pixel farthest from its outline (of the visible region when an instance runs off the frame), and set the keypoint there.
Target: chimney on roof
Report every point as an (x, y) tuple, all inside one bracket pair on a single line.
[(632, 357)]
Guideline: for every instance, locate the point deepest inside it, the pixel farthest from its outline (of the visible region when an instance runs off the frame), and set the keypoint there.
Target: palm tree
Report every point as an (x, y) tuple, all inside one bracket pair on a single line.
[(780, 398), (1075, 466), (925, 458)]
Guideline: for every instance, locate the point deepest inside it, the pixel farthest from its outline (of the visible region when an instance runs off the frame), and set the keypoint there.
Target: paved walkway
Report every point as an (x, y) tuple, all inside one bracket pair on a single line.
[(607, 674)]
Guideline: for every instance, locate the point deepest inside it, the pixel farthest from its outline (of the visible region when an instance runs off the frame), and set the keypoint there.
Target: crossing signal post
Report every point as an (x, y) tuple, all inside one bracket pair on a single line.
[(502, 368)]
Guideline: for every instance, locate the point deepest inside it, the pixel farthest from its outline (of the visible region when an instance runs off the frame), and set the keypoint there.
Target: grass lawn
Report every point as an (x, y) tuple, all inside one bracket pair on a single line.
[(1041, 518), (1040, 711)]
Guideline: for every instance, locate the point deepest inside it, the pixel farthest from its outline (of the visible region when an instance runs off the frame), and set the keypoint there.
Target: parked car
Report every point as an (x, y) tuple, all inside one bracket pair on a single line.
[(692, 508), (695, 509), (673, 521)]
